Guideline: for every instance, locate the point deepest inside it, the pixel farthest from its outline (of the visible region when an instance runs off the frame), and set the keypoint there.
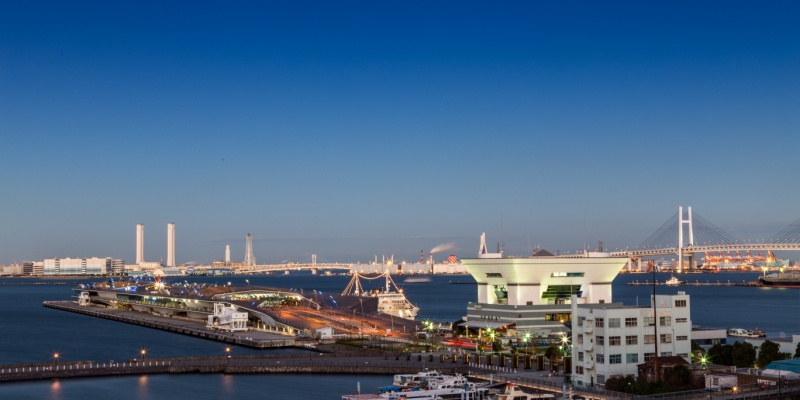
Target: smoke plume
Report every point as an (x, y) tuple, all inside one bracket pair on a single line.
[(443, 247)]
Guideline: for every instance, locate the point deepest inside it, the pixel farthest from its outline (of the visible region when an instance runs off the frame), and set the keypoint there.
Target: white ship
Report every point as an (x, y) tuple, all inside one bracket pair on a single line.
[(426, 386), (389, 302)]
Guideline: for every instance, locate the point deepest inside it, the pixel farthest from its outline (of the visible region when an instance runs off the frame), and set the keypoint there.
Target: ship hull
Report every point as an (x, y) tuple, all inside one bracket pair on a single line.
[(780, 283)]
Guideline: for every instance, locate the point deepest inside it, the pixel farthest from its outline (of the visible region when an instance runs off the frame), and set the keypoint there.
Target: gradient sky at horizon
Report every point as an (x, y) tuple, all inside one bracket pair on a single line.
[(358, 129)]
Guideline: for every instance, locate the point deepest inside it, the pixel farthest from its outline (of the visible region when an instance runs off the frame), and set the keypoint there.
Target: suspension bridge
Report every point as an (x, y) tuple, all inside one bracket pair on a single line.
[(686, 234)]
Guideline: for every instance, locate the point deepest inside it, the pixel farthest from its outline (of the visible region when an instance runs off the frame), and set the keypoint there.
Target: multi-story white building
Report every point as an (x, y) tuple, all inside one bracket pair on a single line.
[(612, 339), (77, 266)]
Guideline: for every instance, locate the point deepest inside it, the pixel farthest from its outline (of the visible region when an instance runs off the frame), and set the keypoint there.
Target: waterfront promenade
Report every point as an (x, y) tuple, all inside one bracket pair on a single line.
[(356, 362)]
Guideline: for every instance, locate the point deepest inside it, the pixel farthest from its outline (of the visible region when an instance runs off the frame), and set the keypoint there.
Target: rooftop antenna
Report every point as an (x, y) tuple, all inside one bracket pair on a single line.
[(502, 244), (584, 232)]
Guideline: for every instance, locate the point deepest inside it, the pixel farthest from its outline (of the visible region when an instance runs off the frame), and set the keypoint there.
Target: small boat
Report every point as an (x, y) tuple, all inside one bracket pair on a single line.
[(423, 386), (739, 332), (513, 392), (417, 279), (674, 282)]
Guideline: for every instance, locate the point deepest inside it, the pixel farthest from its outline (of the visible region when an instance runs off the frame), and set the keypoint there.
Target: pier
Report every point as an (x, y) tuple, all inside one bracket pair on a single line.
[(697, 283), (254, 338)]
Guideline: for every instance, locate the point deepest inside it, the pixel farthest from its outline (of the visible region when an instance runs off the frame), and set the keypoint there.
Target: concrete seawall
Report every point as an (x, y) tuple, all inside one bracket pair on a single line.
[(213, 365)]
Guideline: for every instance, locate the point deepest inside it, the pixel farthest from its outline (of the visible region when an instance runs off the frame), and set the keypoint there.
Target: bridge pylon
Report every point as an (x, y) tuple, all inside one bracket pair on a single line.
[(681, 222)]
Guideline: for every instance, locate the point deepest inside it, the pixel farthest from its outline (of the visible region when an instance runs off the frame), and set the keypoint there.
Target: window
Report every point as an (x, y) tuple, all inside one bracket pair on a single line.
[(649, 356), (601, 379), (580, 356), (631, 340), (632, 358), (680, 303), (567, 274), (666, 338), (558, 317), (494, 275), (679, 338), (614, 341), (649, 321), (599, 322), (613, 322), (580, 320), (683, 355), (601, 358), (679, 320), (579, 370), (666, 354), (631, 322), (580, 338), (615, 359), (528, 303), (649, 339), (665, 321), (601, 341)]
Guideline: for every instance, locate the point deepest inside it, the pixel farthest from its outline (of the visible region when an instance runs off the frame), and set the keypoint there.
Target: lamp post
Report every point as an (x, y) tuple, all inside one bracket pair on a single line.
[(144, 353), (55, 357), (227, 354), (526, 338)]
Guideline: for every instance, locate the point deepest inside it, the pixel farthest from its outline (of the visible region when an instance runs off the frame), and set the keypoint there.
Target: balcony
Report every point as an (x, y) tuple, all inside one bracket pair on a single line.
[(588, 346), (588, 364), (588, 326)]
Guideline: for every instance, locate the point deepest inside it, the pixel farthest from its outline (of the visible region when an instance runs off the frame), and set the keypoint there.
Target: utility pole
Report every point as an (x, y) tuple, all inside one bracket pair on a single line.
[(655, 325)]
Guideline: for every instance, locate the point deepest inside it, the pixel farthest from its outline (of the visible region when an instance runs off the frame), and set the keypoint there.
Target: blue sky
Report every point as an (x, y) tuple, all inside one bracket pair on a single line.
[(358, 129)]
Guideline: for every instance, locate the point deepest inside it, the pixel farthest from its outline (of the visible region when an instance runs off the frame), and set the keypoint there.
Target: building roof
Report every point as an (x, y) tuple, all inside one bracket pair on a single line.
[(785, 365)]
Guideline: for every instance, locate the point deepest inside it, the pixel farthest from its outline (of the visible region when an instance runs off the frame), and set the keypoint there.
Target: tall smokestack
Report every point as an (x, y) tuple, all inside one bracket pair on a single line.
[(171, 244), (139, 243), (227, 253)]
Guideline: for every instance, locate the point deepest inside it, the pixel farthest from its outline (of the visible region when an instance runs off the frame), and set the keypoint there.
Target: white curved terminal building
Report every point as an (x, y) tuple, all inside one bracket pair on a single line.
[(533, 293)]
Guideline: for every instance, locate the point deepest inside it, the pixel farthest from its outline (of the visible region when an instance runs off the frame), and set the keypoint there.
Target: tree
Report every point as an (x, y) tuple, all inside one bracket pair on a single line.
[(677, 376), (744, 355), (767, 353), (721, 354), (459, 330), (619, 383), (497, 346), (797, 351)]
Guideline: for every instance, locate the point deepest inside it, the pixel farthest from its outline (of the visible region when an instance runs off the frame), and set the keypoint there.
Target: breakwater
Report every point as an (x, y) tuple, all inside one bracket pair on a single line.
[(288, 364)]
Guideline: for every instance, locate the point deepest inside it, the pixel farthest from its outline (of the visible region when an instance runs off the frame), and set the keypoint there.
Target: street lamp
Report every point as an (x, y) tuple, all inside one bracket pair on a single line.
[(144, 353), (526, 338), (55, 357), (227, 354)]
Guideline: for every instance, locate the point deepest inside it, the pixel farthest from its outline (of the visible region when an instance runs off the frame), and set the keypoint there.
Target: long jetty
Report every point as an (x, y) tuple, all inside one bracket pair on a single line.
[(311, 363), (254, 339), (698, 283)]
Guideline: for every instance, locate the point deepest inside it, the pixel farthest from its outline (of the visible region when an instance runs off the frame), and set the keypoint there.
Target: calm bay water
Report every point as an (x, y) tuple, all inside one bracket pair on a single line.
[(31, 333)]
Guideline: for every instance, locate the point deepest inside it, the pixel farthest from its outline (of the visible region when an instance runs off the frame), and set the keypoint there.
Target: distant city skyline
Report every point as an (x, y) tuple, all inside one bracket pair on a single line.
[(363, 129)]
